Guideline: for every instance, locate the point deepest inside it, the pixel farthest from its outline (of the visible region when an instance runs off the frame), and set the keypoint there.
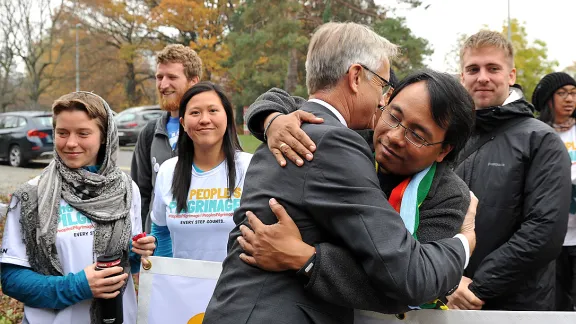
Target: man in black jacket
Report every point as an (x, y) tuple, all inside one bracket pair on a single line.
[(520, 171)]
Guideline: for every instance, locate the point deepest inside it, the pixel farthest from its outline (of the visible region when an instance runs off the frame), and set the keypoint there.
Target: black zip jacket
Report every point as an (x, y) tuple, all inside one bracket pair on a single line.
[(522, 180)]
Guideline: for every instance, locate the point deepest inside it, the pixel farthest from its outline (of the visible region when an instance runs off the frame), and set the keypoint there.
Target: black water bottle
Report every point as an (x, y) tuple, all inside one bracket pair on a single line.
[(111, 311)]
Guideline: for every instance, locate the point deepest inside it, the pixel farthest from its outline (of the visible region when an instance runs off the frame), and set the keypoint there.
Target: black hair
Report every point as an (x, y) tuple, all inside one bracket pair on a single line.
[(452, 106), (548, 114), (183, 170), (393, 78)]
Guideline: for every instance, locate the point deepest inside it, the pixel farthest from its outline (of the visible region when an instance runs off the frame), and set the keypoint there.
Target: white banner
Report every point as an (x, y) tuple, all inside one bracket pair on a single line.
[(434, 316), (177, 291)]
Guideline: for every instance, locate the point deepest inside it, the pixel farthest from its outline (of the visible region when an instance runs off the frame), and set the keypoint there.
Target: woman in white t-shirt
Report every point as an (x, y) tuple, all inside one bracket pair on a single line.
[(555, 99), (196, 193), (81, 207)]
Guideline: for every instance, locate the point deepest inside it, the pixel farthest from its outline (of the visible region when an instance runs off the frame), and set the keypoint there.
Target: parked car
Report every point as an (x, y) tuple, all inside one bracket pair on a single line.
[(132, 120), (26, 135)]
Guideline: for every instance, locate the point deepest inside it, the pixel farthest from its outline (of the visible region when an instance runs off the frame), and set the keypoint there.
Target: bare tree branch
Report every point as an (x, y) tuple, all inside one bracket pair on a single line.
[(34, 24), (8, 82)]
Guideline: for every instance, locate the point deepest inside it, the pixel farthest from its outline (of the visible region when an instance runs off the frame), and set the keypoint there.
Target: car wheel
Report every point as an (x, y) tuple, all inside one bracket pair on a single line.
[(15, 156)]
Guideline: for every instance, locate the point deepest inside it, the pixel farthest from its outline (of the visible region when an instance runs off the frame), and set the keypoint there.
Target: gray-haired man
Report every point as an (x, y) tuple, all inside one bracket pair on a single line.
[(334, 198)]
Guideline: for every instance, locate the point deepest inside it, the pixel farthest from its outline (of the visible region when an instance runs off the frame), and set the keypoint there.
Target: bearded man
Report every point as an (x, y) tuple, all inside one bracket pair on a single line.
[(178, 69)]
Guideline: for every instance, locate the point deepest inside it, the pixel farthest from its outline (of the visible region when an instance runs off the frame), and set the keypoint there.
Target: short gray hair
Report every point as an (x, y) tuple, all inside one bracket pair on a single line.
[(336, 46)]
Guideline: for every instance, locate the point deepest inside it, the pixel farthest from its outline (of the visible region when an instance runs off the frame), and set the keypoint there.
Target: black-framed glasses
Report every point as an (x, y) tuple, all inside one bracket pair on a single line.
[(387, 88), (409, 134), (564, 94)]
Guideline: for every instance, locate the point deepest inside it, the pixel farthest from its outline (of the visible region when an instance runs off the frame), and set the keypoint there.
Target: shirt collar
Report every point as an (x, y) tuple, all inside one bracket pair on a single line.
[(332, 109), (513, 96)]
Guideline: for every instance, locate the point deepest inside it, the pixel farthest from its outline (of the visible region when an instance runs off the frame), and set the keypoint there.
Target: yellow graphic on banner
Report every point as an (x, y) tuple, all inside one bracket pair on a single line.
[(196, 319)]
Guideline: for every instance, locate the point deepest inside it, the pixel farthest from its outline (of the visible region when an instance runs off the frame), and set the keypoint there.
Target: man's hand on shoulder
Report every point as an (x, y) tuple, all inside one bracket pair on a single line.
[(285, 138)]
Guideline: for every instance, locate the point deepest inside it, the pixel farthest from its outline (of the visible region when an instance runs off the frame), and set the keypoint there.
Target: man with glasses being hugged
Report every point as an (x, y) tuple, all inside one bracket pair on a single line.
[(336, 198), (520, 170), (417, 137)]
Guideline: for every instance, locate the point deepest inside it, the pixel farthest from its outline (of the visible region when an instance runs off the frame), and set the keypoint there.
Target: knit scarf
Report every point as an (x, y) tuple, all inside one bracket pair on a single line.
[(565, 126), (406, 198), (104, 197)]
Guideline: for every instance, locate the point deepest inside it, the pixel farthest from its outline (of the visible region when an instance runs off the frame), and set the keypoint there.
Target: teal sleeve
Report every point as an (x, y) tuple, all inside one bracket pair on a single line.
[(163, 241), (134, 260), (42, 291)]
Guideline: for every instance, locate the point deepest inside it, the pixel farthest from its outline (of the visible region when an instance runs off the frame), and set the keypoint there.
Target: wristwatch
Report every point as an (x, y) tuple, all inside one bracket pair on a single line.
[(451, 291), (306, 270)]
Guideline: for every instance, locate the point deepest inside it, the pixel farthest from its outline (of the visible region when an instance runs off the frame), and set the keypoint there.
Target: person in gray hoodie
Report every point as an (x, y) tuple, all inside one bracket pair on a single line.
[(427, 122), (178, 69)]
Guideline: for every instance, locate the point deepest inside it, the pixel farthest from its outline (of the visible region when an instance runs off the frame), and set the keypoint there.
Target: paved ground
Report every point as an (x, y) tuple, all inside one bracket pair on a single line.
[(11, 178)]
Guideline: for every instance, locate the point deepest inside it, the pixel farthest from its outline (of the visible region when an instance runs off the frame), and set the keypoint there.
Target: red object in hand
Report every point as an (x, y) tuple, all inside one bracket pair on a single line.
[(139, 236)]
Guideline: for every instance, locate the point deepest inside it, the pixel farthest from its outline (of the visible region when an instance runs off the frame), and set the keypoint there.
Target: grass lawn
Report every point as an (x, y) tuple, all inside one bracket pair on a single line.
[(249, 143)]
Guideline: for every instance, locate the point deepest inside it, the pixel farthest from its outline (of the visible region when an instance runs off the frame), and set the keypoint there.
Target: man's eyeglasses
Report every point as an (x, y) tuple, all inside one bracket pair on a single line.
[(409, 134), (386, 86), (564, 94)]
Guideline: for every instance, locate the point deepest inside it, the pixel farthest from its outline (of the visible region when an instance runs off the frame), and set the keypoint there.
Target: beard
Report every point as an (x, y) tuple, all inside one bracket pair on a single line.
[(170, 104)]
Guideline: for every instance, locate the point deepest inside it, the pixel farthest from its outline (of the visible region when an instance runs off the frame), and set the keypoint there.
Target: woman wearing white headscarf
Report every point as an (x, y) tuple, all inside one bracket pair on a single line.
[(81, 207)]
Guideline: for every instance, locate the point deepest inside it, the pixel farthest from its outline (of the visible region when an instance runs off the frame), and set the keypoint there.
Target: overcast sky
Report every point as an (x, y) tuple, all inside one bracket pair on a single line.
[(553, 21)]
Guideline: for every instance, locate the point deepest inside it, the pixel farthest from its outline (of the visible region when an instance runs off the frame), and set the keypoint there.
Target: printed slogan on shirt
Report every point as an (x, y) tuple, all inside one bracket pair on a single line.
[(207, 206), (72, 220)]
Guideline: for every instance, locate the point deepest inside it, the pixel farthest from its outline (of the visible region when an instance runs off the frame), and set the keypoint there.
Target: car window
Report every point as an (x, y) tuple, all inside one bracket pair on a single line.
[(11, 122), (45, 121), (125, 117), (151, 115), (2, 122), (22, 121)]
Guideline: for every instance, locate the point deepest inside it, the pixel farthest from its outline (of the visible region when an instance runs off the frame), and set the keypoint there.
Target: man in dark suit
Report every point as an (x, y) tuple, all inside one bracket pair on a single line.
[(334, 198)]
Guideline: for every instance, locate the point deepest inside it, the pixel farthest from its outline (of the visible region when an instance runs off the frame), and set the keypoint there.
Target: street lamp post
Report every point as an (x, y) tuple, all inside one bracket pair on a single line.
[(77, 60)]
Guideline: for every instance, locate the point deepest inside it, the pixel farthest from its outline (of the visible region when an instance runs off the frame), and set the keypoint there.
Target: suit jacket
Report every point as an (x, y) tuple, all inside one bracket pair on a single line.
[(338, 278), (335, 198)]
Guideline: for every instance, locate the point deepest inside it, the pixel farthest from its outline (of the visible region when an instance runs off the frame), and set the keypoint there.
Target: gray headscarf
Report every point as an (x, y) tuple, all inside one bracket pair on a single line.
[(104, 197)]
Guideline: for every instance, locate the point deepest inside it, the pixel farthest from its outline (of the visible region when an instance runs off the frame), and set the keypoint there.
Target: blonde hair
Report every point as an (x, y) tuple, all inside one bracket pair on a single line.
[(487, 38), (177, 53), (336, 46), (92, 105)]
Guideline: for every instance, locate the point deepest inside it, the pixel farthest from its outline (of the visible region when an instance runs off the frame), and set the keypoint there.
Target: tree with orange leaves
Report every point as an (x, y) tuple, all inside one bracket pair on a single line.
[(126, 28), (199, 24)]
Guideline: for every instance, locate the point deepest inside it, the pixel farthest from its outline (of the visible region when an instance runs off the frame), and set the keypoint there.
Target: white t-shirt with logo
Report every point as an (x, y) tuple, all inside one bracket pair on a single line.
[(200, 233), (74, 243), (569, 139)]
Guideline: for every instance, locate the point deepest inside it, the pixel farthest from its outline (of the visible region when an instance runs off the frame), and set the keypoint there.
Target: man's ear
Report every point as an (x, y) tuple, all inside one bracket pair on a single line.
[(445, 150), (353, 77), (512, 77), (193, 81)]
